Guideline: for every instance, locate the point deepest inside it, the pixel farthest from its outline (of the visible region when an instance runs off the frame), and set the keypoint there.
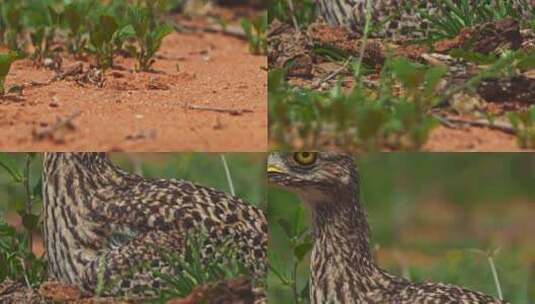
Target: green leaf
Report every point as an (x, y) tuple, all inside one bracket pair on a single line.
[(527, 63), (247, 27), (125, 32), (275, 79), (287, 227), (56, 14), (139, 19), (73, 17), (108, 26), (7, 231), (532, 114), (331, 52), (30, 221), (5, 62), (305, 291), (369, 121), (102, 33), (302, 250), (8, 163), (37, 36), (474, 57), (432, 78), (300, 224), (38, 188), (155, 39), (13, 16), (410, 74), (162, 31)]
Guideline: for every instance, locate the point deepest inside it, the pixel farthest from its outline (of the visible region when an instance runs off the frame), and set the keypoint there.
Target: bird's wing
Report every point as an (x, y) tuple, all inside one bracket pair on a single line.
[(129, 268), (165, 204), (172, 205)]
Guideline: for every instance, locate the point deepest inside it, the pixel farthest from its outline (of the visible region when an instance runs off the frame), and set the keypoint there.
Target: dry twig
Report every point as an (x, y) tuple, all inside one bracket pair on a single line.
[(234, 112), (61, 123), (453, 123)]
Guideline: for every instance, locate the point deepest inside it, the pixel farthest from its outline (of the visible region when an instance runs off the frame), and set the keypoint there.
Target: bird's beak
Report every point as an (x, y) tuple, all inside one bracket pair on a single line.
[(274, 169)]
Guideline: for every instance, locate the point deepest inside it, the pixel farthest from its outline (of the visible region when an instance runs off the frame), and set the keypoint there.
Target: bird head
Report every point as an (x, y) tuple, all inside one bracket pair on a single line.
[(317, 177)]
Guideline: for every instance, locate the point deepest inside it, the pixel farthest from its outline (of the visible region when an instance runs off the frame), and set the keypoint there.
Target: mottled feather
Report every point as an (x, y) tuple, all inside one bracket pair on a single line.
[(102, 222)]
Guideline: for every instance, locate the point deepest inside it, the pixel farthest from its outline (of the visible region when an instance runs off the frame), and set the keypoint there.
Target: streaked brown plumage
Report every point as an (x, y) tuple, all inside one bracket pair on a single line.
[(399, 19), (342, 268), (102, 221)]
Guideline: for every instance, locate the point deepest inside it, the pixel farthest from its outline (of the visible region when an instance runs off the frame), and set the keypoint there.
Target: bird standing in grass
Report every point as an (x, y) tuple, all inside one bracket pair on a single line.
[(396, 19), (108, 231), (342, 268)]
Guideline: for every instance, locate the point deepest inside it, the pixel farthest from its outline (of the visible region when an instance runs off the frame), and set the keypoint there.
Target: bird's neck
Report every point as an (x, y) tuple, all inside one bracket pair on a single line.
[(341, 262), (72, 186), (340, 225), (96, 166)]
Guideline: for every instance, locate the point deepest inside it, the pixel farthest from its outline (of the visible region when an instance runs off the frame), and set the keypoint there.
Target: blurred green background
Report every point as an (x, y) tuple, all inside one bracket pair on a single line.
[(433, 217), (246, 169)]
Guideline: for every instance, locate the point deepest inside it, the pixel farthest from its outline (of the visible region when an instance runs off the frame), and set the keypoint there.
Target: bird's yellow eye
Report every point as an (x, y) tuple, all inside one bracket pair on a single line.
[(305, 158)]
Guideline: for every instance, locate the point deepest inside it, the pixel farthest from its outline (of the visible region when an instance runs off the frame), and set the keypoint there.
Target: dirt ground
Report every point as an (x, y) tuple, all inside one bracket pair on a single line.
[(208, 93), (308, 68), (470, 139)]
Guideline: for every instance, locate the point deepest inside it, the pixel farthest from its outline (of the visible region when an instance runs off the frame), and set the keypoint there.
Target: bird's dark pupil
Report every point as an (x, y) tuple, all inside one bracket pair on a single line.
[(304, 158)]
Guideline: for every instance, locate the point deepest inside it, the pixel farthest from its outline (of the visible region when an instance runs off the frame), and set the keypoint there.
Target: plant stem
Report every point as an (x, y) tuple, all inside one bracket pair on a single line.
[(294, 283), (25, 273), (495, 275), (292, 12), (29, 197), (367, 24), (227, 173), (278, 275)]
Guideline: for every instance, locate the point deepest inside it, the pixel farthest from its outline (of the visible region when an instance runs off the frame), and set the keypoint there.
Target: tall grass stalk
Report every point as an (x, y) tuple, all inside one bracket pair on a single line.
[(367, 24), (292, 12), (495, 276), (29, 197), (227, 173)]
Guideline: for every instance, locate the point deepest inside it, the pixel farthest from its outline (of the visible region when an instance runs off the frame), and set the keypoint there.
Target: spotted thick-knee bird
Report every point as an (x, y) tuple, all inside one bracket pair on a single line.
[(398, 19), (102, 224), (342, 268)]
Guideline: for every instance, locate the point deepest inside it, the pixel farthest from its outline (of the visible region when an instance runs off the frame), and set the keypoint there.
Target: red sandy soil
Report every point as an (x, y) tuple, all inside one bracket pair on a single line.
[(202, 69), (470, 139)]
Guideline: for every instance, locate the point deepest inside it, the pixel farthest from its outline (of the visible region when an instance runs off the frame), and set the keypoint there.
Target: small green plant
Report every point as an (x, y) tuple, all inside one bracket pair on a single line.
[(195, 268), (456, 15), (5, 64), (302, 12), (3, 27), (106, 37), (172, 5), (44, 20), (300, 245), (157, 7), (75, 14), (18, 263), (148, 33), (524, 125), (362, 118), (255, 30), (12, 13), (16, 256)]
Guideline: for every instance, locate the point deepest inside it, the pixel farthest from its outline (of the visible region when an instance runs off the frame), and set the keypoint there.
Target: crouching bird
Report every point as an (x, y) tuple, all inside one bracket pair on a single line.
[(404, 19), (110, 230), (342, 269)]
